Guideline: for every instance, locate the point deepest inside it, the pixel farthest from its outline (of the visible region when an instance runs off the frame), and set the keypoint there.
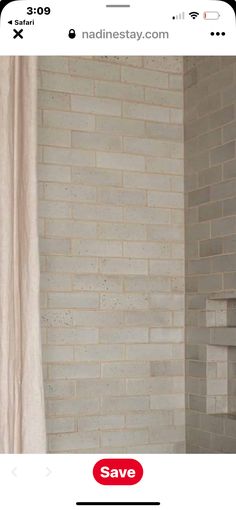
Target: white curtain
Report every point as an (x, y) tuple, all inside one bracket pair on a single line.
[(22, 419)]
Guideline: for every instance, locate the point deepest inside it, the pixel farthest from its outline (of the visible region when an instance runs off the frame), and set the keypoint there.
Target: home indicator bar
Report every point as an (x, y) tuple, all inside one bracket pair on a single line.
[(124, 503)]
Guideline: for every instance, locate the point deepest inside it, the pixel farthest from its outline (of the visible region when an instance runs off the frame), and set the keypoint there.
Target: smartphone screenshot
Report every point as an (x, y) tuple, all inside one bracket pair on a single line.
[(117, 254)]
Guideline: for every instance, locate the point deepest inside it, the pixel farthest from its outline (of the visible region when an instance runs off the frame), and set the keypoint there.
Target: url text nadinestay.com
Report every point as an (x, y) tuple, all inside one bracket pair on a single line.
[(126, 34)]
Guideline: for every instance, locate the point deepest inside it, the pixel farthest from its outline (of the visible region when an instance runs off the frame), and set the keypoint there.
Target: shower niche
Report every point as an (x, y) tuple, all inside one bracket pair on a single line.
[(221, 354)]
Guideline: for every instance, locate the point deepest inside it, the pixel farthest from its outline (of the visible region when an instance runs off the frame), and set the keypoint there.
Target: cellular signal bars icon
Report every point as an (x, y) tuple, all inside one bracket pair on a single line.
[(180, 16)]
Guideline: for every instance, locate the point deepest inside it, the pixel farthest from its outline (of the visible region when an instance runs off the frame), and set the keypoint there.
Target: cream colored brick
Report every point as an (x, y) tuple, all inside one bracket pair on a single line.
[(53, 100), (69, 120), (122, 231), (124, 404), (177, 216), (177, 251), (56, 318), (167, 402), (119, 91), (149, 147), (147, 284), (96, 105), (94, 70), (97, 212), (165, 233), (165, 165), (121, 161), (149, 352), (176, 116), (168, 335), (163, 131), (176, 81), (144, 77), (40, 191), (55, 281), (177, 183), (56, 64), (54, 137), (122, 59), (126, 369), (172, 434), (72, 336), (60, 389), (124, 127), (100, 387), (147, 250), (97, 141), (123, 266), (144, 111), (123, 335), (165, 302), (99, 353), (43, 305), (72, 264), (96, 248), (167, 267), (70, 229), (73, 442), (55, 354), (123, 302), (98, 283), (164, 97), (96, 177), (41, 227), (149, 318), (121, 196), (160, 199), (102, 422), (178, 319), (69, 192), (54, 246), (42, 258), (165, 64), (40, 154), (149, 419), (122, 438), (54, 210), (155, 386), (147, 181), (66, 83), (73, 407), (72, 300), (69, 156), (54, 173), (147, 215), (74, 371), (98, 318), (59, 425)]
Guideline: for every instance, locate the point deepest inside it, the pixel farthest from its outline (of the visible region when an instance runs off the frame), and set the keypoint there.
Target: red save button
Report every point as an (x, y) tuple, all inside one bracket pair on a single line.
[(118, 471)]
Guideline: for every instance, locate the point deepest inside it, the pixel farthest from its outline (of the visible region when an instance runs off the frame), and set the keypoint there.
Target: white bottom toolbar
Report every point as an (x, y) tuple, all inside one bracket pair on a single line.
[(66, 482)]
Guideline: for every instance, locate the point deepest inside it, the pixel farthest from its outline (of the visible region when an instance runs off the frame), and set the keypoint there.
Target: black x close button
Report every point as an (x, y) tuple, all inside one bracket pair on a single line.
[(18, 33)]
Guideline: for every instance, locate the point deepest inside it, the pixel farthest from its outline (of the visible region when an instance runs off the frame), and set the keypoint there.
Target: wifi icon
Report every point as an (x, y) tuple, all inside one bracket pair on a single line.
[(194, 14)]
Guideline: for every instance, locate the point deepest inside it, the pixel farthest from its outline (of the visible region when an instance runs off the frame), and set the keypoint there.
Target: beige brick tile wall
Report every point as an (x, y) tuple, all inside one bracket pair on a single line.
[(210, 171), (112, 251)]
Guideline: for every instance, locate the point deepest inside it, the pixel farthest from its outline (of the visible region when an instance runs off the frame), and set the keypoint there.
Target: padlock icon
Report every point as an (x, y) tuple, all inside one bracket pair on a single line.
[(72, 34)]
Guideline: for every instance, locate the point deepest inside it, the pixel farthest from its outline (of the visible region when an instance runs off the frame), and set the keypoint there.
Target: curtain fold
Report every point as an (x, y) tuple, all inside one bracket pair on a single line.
[(22, 418)]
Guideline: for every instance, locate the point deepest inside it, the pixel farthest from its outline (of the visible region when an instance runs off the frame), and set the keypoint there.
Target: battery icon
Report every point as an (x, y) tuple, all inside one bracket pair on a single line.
[(211, 15)]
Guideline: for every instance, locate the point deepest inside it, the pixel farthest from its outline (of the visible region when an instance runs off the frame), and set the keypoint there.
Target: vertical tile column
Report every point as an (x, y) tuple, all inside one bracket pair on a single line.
[(210, 212)]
